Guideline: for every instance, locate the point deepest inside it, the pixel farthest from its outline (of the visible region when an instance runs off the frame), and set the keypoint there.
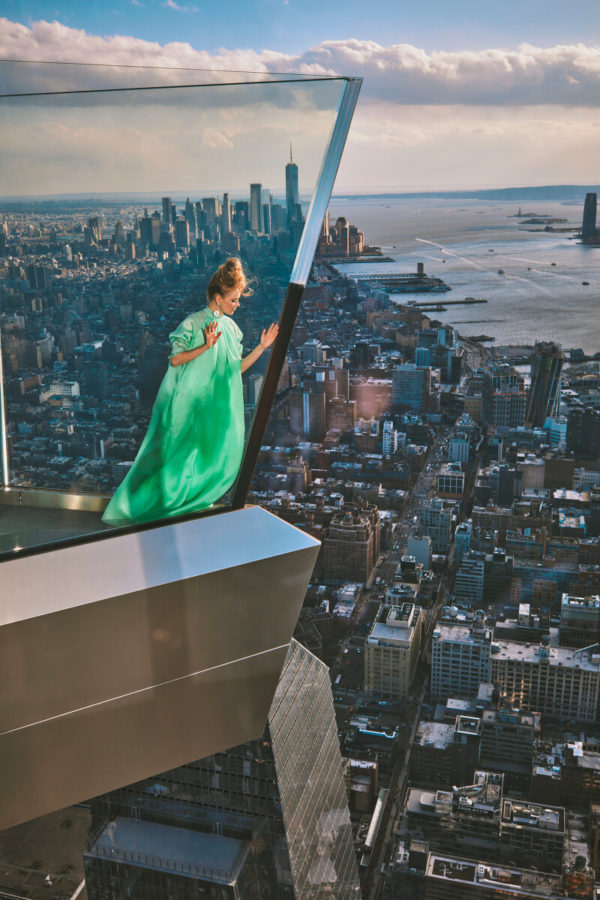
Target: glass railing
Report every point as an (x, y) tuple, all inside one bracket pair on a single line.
[(123, 190)]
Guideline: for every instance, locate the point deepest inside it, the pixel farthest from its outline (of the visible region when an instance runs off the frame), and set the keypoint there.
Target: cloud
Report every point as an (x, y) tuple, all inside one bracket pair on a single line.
[(400, 74), (170, 4), (486, 118)]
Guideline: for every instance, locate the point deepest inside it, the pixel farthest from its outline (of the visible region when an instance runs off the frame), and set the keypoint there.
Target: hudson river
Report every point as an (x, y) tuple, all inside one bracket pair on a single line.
[(467, 242)]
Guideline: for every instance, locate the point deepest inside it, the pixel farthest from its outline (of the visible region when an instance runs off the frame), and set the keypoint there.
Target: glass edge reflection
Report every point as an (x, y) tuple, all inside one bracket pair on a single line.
[(292, 79), (297, 283), (325, 181)]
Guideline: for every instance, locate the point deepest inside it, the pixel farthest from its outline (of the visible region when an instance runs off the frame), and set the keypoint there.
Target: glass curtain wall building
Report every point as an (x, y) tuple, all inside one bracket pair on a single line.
[(275, 808)]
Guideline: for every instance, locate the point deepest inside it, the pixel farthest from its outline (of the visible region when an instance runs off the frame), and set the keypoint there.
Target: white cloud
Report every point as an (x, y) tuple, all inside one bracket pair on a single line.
[(400, 74)]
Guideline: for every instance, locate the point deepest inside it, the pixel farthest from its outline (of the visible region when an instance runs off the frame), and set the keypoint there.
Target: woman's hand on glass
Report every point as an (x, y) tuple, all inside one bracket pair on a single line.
[(211, 335), (269, 335)]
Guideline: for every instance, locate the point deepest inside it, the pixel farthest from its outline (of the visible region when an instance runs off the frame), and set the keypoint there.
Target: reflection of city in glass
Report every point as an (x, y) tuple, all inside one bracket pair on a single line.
[(100, 266), (91, 294), (266, 819)]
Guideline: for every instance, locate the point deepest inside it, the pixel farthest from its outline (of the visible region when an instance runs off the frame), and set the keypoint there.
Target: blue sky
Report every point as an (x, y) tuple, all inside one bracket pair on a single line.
[(456, 94), (292, 26)]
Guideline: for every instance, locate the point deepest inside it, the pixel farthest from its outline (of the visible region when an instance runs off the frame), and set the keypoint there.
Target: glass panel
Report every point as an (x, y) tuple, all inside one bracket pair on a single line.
[(122, 190)]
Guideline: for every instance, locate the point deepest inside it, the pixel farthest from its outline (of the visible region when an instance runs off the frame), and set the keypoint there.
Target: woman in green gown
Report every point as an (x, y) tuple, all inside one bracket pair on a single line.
[(192, 450)]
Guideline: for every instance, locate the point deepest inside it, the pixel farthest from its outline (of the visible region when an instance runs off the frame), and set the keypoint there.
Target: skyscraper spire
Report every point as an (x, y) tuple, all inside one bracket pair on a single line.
[(291, 187)]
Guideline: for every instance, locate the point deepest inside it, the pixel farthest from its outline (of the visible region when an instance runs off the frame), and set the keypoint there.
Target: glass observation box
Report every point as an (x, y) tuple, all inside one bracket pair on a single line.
[(122, 190)]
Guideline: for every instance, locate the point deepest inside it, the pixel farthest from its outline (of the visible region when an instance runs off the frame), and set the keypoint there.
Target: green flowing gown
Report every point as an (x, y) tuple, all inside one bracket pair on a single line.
[(192, 450)]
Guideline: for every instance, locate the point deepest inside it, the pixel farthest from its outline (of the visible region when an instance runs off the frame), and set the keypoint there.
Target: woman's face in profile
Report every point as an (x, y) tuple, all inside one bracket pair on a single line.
[(229, 302)]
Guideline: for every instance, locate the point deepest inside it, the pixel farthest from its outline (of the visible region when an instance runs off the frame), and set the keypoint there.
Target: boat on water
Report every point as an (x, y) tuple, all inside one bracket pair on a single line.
[(501, 272)]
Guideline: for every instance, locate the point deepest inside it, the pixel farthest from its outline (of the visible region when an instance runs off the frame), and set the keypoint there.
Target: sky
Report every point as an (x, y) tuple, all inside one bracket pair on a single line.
[(459, 94)]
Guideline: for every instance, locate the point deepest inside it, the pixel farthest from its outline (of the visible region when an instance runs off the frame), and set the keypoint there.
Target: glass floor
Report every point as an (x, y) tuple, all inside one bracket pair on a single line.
[(26, 525)]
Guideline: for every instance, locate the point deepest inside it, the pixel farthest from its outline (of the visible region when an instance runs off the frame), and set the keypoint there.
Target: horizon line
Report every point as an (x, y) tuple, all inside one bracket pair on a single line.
[(341, 194)]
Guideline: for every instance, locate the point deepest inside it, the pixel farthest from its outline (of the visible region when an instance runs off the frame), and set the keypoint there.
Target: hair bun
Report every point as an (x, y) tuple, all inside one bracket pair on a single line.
[(228, 276)]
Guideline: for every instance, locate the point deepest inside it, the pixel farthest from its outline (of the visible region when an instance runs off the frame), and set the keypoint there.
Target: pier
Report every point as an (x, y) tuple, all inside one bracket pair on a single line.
[(434, 304)]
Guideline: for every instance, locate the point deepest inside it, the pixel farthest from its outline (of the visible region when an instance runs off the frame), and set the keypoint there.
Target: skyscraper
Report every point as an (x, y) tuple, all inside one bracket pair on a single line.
[(588, 227), (291, 187), (268, 819), (182, 232), (411, 386), (226, 215), (192, 219), (256, 211), (167, 210), (266, 207), (544, 392)]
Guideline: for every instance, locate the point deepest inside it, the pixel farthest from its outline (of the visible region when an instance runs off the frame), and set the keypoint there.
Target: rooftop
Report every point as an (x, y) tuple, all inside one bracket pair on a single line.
[(166, 848), (395, 625), (557, 656), (521, 881), (533, 815), (435, 734)]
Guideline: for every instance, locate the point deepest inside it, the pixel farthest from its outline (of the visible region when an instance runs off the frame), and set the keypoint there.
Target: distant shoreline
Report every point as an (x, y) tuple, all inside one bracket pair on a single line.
[(549, 193), (531, 193)]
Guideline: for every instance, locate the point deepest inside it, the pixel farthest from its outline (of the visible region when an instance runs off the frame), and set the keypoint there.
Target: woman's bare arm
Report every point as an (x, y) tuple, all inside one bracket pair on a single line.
[(266, 340)]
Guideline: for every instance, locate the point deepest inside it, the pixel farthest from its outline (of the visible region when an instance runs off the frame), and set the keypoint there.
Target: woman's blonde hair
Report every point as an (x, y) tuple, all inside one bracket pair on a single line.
[(229, 276)]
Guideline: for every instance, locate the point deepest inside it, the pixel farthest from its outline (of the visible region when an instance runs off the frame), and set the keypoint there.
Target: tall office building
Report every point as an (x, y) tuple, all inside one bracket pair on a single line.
[(168, 210), (460, 659), (436, 521), (352, 544), (291, 187), (308, 411), (192, 219), (411, 387), (226, 215), (544, 393), (182, 232), (95, 226), (588, 227), (468, 585), (211, 207), (267, 819), (583, 431), (256, 210), (266, 212), (392, 648)]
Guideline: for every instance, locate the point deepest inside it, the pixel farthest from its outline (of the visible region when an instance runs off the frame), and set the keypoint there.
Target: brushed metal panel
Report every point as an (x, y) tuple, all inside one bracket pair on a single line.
[(94, 638), (63, 661), (70, 759), (113, 566)]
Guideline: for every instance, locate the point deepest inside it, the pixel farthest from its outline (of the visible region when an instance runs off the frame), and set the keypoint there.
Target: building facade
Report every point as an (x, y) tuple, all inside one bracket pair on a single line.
[(392, 649), (271, 816), (544, 392)]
